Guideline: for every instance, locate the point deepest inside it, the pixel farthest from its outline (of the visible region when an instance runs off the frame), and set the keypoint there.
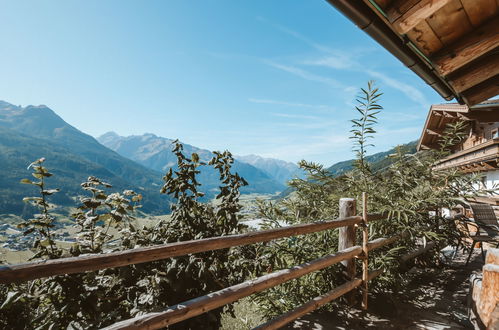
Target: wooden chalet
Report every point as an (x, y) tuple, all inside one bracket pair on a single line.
[(453, 45), (479, 152)]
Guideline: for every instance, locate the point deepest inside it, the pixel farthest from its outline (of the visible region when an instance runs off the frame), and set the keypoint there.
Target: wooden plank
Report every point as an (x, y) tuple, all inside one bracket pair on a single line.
[(383, 4), (425, 39), (479, 11), (200, 305), (398, 8), (481, 92), (39, 269), (468, 48), (375, 273), (417, 13), (310, 306), (475, 73), (365, 253), (492, 256), (417, 252), (346, 239), (489, 293), (450, 23), (379, 242), (431, 132), (376, 217)]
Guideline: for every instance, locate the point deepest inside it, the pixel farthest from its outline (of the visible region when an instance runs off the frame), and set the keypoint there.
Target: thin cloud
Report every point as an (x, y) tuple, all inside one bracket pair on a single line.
[(289, 104), (292, 116), (410, 91), (337, 60), (306, 75)]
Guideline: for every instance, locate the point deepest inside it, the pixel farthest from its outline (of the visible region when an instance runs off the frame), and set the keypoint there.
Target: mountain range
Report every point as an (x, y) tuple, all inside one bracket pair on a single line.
[(32, 132), (139, 163), (155, 152), (135, 162)]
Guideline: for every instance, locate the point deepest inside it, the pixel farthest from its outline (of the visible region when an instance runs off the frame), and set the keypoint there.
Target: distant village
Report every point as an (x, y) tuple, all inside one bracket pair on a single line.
[(15, 240)]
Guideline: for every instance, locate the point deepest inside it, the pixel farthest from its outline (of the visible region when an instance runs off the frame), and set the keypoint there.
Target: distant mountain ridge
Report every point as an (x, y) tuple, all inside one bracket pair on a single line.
[(378, 160), (280, 170), (155, 152), (32, 132)]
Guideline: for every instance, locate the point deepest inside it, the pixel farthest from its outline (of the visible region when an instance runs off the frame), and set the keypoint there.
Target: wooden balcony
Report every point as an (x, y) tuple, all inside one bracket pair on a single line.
[(479, 158)]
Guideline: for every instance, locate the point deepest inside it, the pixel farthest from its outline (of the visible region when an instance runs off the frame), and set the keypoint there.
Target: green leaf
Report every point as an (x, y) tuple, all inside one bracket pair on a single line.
[(12, 297)]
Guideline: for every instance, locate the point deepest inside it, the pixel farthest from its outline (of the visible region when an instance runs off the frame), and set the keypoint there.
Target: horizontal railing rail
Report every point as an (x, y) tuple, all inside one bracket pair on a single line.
[(72, 265), (191, 308), (206, 303)]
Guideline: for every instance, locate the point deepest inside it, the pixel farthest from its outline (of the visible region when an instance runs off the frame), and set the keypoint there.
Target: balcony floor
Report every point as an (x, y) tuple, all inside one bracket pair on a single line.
[(435, 298)]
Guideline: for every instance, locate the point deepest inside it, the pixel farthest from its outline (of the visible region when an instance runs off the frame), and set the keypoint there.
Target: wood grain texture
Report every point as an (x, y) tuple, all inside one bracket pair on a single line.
[(39, 269), (418, 252), (489, 293), (450, 22), (383, 3), (481, 92), (422, 10), (425, 39), (310, 306), (346, 239), (479, 11), (468, 48), (365, 253), (475, 73), (200, 305), (380, 242)]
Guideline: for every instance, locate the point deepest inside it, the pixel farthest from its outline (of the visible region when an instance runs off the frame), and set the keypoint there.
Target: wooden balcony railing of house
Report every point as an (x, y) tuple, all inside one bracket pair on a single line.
[(348, 223), (479, 158)]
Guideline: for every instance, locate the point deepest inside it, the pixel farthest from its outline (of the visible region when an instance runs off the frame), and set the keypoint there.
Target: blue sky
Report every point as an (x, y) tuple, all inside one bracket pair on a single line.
[(275, 78)]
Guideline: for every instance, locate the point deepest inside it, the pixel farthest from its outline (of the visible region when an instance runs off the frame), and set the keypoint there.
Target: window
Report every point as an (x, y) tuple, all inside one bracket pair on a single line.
[(495, 133)]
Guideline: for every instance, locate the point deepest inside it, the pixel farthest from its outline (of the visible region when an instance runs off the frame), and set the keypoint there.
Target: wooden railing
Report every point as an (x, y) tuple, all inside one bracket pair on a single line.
[(348, 222)]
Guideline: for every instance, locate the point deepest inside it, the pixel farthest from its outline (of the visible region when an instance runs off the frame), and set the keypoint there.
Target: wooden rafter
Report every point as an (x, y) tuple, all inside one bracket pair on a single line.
[(463, 116), (421, 10), (431, 132), (488, 166), (450, 114), (476, 73), (468, 48), (481, 92)]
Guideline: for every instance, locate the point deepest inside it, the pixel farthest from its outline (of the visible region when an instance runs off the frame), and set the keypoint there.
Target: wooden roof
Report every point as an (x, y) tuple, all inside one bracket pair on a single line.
[(440, 115), (457, 39)]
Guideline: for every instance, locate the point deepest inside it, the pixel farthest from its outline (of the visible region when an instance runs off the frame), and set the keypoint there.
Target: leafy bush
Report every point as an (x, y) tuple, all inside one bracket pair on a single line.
[(407, 191), (97, 299)]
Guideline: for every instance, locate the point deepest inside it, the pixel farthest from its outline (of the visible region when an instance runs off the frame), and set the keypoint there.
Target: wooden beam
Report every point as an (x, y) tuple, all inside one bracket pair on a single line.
[(310, 306), (417, 13), (431, 132), (463, 116), (45, 268), (379, 242), (200, 305), (346, 239), (450, 114), (475, 73), (477, 43), (488, 166), (417, 252), (481, 92)]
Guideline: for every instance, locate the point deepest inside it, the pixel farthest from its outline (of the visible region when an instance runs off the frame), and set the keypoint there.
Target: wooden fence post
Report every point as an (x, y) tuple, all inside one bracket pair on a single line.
[(346, 240), (365, 256)]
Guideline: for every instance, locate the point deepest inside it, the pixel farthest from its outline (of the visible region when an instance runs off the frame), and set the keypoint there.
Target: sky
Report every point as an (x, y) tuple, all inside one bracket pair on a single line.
[(273, 78)]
